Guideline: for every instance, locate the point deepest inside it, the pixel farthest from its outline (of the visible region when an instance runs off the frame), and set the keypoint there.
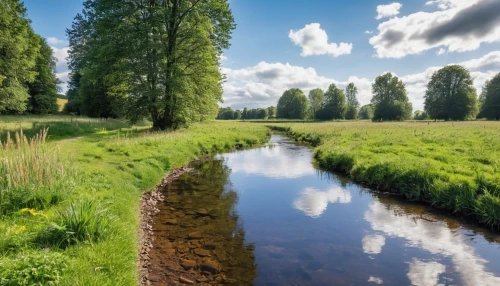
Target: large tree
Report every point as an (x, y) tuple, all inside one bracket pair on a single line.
[(351, 92), (490, 99), (292, 104), (390, 99), (316, 97), (451, 95), (43, 90), (19, 47), (334, 104), (163, 54), (271, 112)]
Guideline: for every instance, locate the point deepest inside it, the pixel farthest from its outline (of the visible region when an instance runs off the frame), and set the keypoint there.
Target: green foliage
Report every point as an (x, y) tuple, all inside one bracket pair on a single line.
[(292, 104), (35, 268), (86, 221), (271, 111), (19, 47), (490, 99), (450, 94), (43, 90), (351, 92), (316, 98), (167, 65), (334, 105), (351, 113), (366, 112), (420, 115), (390, 99)]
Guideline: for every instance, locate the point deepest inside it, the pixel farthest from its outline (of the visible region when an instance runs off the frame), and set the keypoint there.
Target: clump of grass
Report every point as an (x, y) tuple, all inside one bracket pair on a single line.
[(37, 268), (87, 221), (31, 174)]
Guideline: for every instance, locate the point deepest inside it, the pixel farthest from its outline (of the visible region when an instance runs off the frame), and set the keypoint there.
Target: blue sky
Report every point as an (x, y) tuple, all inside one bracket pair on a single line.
[(282, 44)]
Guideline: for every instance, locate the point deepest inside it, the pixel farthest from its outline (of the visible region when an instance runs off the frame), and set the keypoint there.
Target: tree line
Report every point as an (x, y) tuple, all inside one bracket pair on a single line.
[(450, 95), (228, 113), (157, 60), (28, 81)]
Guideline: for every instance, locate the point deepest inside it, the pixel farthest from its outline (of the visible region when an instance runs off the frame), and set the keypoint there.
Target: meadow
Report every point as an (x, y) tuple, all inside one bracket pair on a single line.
[(69, 206), (451, 165)]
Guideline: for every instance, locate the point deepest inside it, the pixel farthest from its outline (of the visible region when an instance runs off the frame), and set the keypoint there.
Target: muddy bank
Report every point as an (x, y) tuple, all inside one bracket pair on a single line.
[(148, 211)]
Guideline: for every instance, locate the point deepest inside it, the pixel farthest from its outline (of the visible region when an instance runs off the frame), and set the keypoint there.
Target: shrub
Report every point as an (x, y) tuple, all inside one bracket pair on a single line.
[(33, 269), (83, 222)]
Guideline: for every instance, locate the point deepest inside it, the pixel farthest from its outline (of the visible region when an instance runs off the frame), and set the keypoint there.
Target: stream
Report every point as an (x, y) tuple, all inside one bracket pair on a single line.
[(268, 216)]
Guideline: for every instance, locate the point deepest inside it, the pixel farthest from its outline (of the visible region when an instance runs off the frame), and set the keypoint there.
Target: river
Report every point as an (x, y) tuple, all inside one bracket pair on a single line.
[(268, 216)]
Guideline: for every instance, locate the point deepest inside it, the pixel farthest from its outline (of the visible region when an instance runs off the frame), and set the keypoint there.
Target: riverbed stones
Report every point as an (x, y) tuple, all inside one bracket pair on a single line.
[(185, 280), (202, 212), (210, 266), (202, 252), (195, 235), (188, 264), (172, 221)]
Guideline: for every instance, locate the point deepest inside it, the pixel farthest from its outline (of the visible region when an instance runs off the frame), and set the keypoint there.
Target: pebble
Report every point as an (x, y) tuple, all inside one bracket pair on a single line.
[(185, 280)]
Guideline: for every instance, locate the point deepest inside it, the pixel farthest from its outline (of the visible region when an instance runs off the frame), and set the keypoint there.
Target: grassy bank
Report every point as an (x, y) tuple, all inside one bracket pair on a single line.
[(452, 165), (73, 216)]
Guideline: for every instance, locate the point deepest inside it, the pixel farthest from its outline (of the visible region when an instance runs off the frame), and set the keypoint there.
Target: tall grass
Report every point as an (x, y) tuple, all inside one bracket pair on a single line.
[(451, 165), (31, 174)]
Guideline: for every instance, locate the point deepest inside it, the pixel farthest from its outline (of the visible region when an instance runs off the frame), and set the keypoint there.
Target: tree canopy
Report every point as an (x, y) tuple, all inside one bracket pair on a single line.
[(490, 99), (316, 97), (450, 94), (390, 99), (334, 104), (292, 104), (351, 92), (161, 56), (366, 112)]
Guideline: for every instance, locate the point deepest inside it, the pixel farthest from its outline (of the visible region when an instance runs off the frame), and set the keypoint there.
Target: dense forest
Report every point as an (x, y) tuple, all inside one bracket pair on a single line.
[(27, 66)]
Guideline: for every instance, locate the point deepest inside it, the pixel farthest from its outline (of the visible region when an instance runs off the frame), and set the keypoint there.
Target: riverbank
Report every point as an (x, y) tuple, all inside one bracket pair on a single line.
[(108, 170), (450, 165)]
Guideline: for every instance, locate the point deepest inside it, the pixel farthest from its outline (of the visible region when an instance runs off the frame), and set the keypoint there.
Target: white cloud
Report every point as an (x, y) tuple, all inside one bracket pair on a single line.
[(313, 202), (372, 244), (64, 78), (314, 41), (263, 84), (441, 52), (368, 32), (435, 238), (425, 273), (460, 25), (61, 55), (376, 280), (389, 10), (55, 41)]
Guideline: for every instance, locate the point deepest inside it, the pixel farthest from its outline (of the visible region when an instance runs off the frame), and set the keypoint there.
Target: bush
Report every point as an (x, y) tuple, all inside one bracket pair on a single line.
[(82, 222), (33, 269)]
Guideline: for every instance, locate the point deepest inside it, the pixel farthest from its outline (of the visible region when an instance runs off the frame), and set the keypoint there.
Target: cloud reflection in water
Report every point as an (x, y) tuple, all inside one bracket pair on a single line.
[(436, 238), (313, 202)]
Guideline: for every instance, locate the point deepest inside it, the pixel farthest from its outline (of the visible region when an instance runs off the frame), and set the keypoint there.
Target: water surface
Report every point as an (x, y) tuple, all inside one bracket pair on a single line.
[(267, 216)]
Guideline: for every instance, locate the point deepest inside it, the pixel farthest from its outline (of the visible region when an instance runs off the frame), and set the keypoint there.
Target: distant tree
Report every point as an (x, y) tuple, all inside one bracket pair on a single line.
[(420, 115), (490, 99), (237, 115), (43, 90), (19, 47), (262, 113), (390, 99), (334, 104), (226, 113), (271, 112), (351, 92), (316, 98), (450, 94), (252, 114), (366, 112), (244, 114), (292, 104)]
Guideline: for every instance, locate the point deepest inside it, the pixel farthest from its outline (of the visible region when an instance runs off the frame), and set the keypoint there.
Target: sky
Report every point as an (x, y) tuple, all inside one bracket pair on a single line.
[(307, 44)]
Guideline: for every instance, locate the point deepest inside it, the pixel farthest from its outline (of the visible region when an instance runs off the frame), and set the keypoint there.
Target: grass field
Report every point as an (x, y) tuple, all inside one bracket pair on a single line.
[(452, 165), (70, 207), (61, 102)]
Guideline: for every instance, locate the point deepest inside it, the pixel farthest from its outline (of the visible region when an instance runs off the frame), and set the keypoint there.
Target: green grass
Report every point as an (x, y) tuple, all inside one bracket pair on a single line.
[(452, 165), (108, 169)]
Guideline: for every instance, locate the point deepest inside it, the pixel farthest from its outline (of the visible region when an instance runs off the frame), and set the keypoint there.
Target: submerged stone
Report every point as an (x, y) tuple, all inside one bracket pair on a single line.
[(202, 252), (210, 266), (195, 235)]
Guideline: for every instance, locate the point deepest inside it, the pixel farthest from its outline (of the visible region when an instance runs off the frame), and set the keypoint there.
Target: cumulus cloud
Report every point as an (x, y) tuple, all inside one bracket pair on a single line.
[(372, 244), (314, 41), (436, 238), (314, 202), (458, 26), (262, 85), (384, 11), (375, 280), (368, 32), (55, 41), (61, 55)]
